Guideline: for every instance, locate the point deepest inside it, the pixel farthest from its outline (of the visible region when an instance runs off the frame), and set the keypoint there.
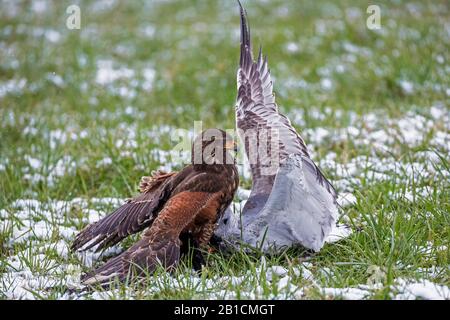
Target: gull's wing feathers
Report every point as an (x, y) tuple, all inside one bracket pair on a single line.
[(256, 107), (160, 244), (257, 110), (134, 216)]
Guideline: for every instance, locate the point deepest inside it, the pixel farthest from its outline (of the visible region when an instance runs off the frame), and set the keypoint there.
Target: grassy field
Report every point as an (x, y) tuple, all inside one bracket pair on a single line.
[(85, 113)]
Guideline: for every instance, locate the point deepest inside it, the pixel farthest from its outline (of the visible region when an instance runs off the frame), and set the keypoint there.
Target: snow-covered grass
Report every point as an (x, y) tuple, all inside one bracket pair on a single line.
[(84, 114)]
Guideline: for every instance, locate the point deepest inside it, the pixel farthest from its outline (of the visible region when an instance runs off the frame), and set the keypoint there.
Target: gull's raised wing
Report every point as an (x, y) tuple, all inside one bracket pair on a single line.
[(257, 110), (302, 214)]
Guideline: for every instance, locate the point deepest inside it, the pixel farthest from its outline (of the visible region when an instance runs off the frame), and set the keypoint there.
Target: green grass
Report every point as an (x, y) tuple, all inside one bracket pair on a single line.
[(194, 53)]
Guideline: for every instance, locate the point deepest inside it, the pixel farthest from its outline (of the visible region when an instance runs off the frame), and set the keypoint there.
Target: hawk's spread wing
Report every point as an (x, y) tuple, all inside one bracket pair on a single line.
[(160, 244), (134, 216), (302, 214)]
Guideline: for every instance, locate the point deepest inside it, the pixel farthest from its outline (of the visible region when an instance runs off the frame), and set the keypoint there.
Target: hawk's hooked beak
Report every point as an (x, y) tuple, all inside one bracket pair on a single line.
[(231, 145)]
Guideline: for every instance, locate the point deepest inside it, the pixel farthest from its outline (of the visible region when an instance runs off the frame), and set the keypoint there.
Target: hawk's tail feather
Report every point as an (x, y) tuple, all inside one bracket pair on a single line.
[(140, 262)]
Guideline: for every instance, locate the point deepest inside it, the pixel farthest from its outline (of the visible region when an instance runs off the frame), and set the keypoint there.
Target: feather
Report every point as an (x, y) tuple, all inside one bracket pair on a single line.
[(134, 216)]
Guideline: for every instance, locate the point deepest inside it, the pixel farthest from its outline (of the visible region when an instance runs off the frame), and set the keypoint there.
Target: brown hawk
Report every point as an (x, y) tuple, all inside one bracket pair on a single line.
[(174, 207)]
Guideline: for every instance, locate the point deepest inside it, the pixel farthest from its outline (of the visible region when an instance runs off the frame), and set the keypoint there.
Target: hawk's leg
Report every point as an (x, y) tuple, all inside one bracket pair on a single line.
[(198, 261), (216, 242), (201, 244), (191, 247)]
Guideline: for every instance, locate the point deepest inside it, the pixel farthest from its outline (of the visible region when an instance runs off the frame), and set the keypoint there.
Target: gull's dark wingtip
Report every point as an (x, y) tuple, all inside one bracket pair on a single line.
[(240, 5), (246, 46), (245, 29)]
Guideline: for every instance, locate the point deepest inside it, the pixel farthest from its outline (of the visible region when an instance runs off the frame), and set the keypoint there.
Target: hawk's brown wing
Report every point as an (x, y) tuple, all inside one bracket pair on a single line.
[(160, 244), (134, 216)]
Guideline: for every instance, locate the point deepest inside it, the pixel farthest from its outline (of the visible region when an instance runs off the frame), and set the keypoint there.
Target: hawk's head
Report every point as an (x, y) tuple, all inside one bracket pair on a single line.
[(214, 146)]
